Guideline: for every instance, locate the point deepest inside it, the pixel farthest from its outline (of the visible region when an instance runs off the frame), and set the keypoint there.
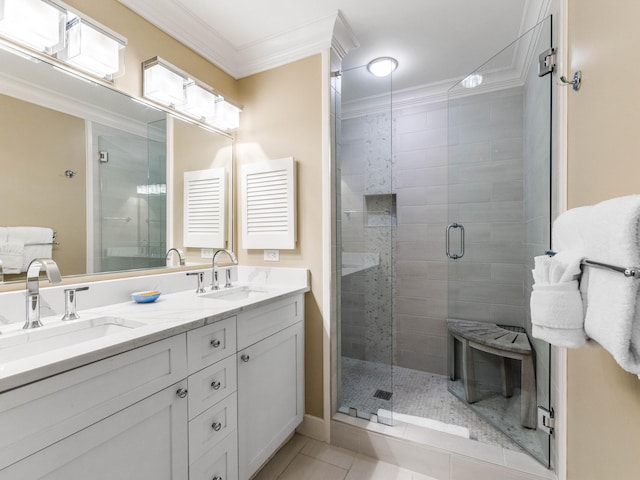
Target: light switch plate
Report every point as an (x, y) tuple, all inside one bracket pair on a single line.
[(206, 252), (272, 255)]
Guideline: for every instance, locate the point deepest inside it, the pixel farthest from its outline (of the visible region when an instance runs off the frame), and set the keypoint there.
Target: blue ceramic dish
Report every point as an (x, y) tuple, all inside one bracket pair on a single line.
[(145, 297)]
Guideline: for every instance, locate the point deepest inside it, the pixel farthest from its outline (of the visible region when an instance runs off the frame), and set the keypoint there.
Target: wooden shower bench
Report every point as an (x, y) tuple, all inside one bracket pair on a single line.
[(507, 344)]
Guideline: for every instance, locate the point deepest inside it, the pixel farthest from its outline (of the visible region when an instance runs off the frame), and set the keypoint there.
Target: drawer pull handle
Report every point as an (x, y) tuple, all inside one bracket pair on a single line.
[(245, 358), (217, 477), (182, 392), (215, 343), (216, 385), (216, 426)]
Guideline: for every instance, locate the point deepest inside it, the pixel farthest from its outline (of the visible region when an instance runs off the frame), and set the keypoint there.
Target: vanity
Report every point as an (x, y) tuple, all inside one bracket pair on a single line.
[(197, 386)]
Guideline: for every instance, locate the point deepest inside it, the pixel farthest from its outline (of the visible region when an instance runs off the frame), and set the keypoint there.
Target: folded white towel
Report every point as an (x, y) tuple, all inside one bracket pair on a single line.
[(11, 256), (557, 314), (38, 242), (613, 314)]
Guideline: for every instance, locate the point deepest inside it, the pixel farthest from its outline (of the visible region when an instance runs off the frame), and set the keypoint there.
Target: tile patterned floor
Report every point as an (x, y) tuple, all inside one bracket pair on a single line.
[(303, 458), (426, 395)]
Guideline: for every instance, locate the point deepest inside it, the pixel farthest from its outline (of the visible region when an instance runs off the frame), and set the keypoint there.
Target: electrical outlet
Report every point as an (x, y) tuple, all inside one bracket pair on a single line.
[(206, 252), (272, 255)]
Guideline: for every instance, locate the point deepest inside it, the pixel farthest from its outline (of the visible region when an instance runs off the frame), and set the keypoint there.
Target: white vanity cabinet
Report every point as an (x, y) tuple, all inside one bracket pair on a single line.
[(270, 379), (147, 440), (213, 403), (112, 418)]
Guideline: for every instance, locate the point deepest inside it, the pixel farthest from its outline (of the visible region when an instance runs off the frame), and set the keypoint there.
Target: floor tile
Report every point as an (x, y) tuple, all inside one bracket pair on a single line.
[(365, 468), (337, 456), (307, 468), (282, 459)]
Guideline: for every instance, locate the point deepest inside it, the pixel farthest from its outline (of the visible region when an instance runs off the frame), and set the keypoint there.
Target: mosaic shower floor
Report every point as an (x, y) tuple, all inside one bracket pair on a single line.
[(424, 394)]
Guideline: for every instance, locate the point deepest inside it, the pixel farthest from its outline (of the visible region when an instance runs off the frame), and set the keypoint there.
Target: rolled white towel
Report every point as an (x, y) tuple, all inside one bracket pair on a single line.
[(557, 313)]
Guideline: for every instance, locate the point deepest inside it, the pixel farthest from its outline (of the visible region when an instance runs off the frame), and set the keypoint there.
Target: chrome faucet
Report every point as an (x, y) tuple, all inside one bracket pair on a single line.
[(214, 282), (180, 256), (33, 287)]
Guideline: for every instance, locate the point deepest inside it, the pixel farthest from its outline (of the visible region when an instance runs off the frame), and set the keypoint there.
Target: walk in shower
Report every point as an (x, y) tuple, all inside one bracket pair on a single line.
[(411, 177)]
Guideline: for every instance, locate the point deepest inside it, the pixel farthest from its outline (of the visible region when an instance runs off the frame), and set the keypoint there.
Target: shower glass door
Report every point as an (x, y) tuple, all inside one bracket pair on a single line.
[(366, 219), (130, 213), (499, 214)]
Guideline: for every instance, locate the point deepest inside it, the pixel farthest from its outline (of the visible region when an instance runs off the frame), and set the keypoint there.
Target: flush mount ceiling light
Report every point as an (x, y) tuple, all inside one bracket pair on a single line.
[(171, 87), (472, 81), (382, 66)]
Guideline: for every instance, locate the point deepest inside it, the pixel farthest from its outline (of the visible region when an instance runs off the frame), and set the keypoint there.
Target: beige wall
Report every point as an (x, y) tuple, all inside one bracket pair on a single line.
[(603, 162), (33, 135), (283, 118)]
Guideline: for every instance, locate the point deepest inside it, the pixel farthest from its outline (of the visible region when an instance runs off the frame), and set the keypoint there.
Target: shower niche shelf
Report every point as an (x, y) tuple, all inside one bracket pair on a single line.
[(380, 210)]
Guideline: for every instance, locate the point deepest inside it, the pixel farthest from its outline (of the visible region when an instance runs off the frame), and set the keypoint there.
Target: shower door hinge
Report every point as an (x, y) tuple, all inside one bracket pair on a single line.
[(546, 420), (546, 62)]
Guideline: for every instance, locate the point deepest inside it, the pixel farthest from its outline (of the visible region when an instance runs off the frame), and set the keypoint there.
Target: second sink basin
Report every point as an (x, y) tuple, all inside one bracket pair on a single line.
[(235, 294), (25, 343)]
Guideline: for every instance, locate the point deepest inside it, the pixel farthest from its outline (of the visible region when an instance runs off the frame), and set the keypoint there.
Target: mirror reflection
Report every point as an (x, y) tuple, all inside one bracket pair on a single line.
[(101, 170)]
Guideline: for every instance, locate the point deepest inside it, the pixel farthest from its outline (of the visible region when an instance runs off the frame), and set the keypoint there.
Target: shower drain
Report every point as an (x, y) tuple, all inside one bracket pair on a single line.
[(383, 394)]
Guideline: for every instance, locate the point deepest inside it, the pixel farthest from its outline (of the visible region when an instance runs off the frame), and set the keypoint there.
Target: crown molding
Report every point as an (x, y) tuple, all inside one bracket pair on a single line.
[(303, 41)]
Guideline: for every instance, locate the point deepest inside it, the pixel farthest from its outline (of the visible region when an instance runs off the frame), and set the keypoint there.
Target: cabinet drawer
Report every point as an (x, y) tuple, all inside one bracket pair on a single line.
[(211, 384), (254, 325), (221, 462), (39, 414), (208, 344), (211, 426)]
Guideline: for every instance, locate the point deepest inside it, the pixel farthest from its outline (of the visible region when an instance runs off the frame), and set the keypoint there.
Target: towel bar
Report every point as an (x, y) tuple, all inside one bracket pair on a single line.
[(626, 271)]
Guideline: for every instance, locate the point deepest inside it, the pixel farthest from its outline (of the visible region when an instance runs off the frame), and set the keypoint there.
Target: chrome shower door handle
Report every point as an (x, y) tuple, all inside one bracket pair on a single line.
[(455, 256)]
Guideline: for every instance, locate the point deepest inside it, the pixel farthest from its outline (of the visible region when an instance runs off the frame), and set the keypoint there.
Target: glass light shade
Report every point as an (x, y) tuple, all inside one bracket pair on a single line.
[(91, 49), (34, 23), (163, 85), (227, 116), (472, 81), (199, 102), (383, 66)]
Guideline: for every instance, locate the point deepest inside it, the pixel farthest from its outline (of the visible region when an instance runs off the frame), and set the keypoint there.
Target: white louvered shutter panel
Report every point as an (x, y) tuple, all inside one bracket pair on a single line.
[(268, 205), (204, 208)]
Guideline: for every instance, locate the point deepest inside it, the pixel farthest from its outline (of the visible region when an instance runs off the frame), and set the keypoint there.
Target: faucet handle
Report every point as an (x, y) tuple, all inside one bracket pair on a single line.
[(70, 303), (200, 275)]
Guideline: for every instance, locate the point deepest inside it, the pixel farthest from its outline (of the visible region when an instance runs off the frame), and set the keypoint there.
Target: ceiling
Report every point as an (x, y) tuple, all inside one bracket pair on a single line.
[(435, 41)]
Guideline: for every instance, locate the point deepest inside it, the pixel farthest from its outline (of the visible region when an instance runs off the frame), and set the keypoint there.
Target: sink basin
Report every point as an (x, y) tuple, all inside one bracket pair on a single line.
[(25, 343), (235, 294)]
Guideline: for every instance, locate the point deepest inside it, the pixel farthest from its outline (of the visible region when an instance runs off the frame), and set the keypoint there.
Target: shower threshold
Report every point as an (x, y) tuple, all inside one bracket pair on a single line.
[(417, 447)]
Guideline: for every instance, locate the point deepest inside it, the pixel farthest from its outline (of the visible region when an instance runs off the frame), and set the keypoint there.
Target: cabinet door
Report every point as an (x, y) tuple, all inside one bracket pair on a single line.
[(270, 396), (147, 440)]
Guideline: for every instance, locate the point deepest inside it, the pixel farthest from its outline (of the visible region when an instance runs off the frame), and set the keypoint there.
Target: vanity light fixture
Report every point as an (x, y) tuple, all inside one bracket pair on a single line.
[(51, 30), (34, 23), (382, 66), (472, 81), (93, 47), (184, 94)]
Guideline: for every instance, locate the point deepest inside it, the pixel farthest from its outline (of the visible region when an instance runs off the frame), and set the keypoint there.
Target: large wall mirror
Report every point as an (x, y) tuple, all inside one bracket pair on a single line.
[(102, 170)]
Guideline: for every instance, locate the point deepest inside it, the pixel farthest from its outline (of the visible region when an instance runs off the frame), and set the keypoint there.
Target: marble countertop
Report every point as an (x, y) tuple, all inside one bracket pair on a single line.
[(170, 315)]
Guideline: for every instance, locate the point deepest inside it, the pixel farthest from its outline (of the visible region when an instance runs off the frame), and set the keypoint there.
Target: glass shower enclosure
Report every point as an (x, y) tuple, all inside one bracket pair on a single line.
[(408, 181)]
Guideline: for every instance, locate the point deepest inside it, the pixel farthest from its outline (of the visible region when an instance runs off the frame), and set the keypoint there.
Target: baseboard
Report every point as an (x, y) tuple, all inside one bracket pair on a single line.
[(313, 427)]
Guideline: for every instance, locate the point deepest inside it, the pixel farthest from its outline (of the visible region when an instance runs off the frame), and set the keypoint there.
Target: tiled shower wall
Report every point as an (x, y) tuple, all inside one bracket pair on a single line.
[(483, 178)]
